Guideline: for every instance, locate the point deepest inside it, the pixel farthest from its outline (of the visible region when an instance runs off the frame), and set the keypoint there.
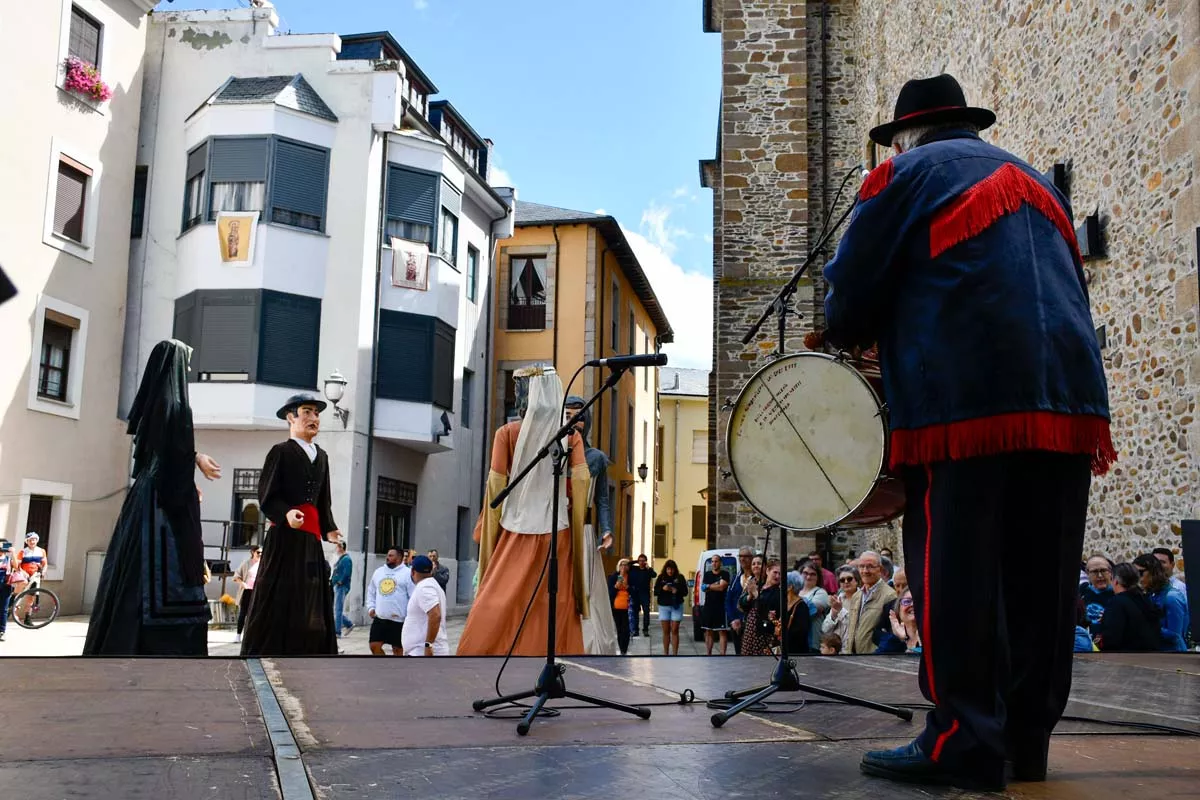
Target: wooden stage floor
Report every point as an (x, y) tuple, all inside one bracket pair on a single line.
[(360, 727)]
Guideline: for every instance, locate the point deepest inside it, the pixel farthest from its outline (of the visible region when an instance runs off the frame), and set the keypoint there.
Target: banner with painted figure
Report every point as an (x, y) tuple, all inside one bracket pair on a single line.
[(410, 264), (236, 232)]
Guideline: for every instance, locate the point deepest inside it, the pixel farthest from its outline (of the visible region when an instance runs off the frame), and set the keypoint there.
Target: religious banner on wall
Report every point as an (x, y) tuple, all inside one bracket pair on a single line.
[(236, 231), (410, 264)]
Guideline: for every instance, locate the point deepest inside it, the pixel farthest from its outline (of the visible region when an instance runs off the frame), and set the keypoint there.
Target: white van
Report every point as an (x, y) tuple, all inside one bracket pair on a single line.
[(729, 560)]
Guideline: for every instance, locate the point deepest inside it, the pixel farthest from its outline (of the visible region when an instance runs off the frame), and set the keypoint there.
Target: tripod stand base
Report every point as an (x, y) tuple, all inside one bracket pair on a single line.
[(551, 685), (786, 679)]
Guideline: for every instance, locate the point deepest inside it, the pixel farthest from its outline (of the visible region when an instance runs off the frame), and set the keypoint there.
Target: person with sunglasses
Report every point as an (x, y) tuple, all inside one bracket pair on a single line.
[(245, 577), (904, 623), (838, 620)]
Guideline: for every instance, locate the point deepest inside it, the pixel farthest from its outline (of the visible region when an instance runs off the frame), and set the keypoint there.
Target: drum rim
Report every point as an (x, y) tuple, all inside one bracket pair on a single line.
[(733, 414)]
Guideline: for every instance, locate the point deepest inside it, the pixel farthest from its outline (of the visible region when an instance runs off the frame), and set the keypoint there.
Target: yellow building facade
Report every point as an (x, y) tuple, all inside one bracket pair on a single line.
[(681, 514), (568, 289)]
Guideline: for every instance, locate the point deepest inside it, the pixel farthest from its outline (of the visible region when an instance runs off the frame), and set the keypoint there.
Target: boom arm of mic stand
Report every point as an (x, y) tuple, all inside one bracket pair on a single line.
[(565, 430), (790, 286)]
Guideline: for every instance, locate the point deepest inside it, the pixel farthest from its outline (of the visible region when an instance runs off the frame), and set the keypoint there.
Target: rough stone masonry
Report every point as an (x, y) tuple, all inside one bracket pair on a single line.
[(1109, 88)]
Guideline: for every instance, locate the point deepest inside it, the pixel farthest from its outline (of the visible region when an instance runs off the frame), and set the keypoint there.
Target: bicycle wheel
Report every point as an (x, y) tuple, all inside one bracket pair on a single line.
[(41, 610)]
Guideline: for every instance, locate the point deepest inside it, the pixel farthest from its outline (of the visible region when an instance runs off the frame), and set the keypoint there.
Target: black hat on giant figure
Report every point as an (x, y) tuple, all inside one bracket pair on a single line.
[(297, 400), (931, 101)]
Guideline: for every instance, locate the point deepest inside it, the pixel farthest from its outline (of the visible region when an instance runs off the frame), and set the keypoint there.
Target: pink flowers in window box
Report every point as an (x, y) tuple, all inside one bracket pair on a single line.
[(84, 79)]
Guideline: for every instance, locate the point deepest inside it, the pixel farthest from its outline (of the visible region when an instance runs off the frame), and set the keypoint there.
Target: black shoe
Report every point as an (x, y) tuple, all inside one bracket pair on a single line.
[(634, 635), (646, 632), (909, 764)]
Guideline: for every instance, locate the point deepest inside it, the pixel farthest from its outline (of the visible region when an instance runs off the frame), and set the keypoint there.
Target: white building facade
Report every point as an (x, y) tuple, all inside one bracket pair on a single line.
[(281, 169), (67, 152)]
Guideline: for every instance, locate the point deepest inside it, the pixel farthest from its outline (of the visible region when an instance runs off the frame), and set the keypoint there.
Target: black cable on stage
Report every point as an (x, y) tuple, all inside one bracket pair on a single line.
[(544, 711)]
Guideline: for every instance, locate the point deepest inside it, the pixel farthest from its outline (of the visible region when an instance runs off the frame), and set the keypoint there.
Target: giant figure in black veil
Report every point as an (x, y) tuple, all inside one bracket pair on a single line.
[(151, 595)]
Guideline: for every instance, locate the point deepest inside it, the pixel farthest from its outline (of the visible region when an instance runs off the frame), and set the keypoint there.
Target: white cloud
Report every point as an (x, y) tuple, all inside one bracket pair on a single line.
[(601, 212), (682, 191), (656, 222), (686, 297), (420, 5)]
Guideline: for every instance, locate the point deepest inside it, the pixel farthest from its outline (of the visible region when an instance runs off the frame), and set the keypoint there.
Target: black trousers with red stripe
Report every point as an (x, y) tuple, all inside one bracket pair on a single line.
[(991, 551)]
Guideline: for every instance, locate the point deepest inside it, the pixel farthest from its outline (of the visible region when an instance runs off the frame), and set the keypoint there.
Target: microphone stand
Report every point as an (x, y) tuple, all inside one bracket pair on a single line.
[(550, 683)]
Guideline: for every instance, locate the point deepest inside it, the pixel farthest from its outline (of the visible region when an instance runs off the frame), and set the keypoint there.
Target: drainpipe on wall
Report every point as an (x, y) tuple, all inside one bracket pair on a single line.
[(818, 296), (492, 299), (557, 272), (675, 484), (366, 523), (603, 290)]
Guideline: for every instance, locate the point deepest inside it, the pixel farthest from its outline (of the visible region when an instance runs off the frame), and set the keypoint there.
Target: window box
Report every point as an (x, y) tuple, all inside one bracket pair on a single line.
[(83, 79)]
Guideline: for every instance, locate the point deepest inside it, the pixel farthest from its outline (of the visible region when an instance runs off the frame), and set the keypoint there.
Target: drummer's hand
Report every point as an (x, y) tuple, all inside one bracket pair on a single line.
[(814, 340)]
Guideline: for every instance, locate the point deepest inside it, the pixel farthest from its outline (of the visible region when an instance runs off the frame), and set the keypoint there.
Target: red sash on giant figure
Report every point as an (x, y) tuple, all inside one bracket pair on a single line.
[(312, 521)]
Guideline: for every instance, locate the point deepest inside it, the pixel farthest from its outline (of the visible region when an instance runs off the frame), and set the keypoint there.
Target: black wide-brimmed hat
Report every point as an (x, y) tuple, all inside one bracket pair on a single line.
[(931, 101), (297, 400)]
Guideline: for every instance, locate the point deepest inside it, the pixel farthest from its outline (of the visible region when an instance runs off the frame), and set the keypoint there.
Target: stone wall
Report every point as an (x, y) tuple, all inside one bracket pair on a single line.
[(762, 194), (1110, 88)]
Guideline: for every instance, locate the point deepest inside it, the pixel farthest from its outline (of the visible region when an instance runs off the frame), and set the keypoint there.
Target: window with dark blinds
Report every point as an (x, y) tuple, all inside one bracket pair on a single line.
[(289, 339), (83, 41), (412, 196), (137, 220), (699, 522), (298, 185), (69, 199), (238, 160), (443, 365), (416, 359)]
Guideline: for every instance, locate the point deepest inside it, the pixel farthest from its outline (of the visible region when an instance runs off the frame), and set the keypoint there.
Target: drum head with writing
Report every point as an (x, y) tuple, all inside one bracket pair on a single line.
[(806, 441)]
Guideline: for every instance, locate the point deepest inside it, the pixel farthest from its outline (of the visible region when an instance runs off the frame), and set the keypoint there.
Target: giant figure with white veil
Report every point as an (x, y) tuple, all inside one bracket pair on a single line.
[(514, 540)]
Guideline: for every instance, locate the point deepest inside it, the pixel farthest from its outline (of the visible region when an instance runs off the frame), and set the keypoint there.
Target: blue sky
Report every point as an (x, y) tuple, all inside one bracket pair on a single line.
[(592, 106)]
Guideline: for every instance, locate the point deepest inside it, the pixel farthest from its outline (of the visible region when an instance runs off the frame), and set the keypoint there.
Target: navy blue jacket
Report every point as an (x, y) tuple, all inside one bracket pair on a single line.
[(960, 262)]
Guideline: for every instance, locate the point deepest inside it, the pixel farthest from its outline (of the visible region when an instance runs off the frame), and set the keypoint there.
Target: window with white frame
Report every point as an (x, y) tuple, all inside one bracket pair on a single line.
[(699, 447), (45, 507), (56, 365), (448, 237), (72, 182)]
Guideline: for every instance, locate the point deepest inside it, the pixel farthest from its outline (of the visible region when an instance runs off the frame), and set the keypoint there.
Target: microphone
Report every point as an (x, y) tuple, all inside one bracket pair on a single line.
[(624, 362)]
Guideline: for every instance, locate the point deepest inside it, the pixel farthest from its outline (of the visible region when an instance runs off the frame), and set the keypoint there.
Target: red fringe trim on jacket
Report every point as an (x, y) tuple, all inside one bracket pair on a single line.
[(876, 181), (1003, 192), (1007, 433)]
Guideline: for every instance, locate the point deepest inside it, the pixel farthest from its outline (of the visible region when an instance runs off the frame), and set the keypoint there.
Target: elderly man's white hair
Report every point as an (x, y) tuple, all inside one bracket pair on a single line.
[(909, 138)]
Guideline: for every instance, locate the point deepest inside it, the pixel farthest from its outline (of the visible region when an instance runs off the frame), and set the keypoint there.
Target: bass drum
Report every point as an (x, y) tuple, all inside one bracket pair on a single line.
[(807, 444)]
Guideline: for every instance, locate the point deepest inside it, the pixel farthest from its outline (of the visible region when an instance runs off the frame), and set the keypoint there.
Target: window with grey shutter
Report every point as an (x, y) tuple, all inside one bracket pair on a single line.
[(289, 340), (83, 41), (185, 329), (405, 357), (70, 198), (224, 328), (443, 365), (193, 189), (412, 196), (451, 198), (298, 185), (237, 175)]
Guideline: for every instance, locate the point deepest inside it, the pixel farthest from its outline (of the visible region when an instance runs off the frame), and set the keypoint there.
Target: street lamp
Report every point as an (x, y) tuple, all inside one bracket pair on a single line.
[(643, 471), (335, 390)]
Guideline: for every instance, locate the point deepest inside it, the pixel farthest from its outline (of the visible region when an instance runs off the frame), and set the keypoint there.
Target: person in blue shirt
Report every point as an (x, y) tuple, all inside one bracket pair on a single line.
[(1169, 600), (340, 579)]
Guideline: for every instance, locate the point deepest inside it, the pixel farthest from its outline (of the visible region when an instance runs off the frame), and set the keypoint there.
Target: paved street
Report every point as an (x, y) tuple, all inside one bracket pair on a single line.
[(65, 636)]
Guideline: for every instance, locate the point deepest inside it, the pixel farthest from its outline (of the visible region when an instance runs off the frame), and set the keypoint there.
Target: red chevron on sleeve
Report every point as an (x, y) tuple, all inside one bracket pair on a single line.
[(1001, 193), (876, 181)]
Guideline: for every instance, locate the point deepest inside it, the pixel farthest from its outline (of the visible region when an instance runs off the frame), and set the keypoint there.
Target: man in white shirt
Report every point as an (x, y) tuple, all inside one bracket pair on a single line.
[(424, 634), (387, 603)]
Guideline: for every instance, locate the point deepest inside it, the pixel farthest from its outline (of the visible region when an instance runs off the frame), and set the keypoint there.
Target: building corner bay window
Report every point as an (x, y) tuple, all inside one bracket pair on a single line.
[(448, 237), (527, 293), (284, 180)]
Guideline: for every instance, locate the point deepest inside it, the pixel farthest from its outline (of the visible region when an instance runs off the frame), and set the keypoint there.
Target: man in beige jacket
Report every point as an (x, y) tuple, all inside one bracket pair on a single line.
[(867, 607)]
